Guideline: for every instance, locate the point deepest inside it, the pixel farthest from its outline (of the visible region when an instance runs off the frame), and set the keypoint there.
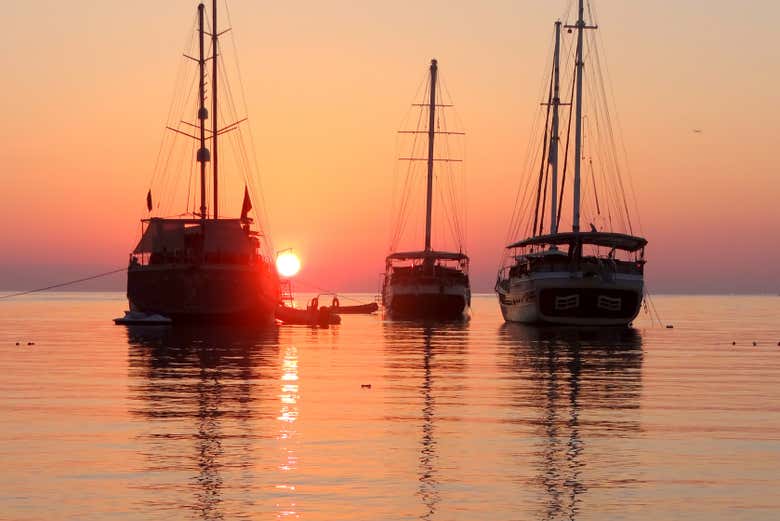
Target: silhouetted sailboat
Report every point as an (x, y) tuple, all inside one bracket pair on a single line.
[(427, 283), (203, 266), (576, 277)]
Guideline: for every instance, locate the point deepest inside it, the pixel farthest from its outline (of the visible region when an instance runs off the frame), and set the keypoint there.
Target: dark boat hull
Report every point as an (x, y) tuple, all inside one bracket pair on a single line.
[(430, 306), (323, 316), (205, 292)]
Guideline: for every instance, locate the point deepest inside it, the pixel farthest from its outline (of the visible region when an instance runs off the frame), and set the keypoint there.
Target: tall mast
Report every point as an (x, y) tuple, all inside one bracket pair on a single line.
[(556, 101), (214, 127), (203, 114), (580, 26), (431, 134), (578, 122)]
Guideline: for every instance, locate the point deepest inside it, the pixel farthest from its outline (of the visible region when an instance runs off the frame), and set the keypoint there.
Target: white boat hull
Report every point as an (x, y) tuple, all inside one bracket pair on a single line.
[(570, 299)]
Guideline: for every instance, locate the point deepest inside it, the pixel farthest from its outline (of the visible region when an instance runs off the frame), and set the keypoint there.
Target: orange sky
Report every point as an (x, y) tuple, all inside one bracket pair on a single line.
[(86, 88)]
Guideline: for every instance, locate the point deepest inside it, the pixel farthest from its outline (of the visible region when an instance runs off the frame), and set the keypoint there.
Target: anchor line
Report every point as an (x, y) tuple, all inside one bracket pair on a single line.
[(63, 284)]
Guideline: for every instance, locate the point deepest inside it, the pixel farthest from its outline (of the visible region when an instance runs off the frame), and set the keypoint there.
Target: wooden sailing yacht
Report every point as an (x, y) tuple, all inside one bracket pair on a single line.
[(201, 266), (427, 283), (575, 277)]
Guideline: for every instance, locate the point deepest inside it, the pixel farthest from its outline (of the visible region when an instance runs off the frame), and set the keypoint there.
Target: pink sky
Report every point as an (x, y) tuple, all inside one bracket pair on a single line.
[(86, 87)]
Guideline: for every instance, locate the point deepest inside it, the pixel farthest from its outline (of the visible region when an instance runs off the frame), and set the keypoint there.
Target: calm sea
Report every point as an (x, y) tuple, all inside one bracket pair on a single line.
[(470, 421)]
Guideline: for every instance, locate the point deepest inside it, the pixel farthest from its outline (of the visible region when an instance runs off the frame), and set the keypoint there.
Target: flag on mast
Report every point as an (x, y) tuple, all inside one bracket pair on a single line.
[(246, 206), (149, 200)]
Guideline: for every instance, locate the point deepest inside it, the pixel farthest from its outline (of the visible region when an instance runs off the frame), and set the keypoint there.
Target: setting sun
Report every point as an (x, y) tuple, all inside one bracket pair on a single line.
[(288, 264)]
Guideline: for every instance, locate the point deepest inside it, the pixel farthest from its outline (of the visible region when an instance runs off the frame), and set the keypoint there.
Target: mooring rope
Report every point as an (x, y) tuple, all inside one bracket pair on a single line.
[(69, 283), (112, 272)]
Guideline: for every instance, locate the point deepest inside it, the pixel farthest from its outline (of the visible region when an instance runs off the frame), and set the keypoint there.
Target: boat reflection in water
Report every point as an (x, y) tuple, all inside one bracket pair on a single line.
[(201, 392), (585, 386), (427, 354)]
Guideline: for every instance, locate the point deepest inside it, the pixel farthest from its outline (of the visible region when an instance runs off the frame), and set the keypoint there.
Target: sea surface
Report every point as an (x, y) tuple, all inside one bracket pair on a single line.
[(381, 420)]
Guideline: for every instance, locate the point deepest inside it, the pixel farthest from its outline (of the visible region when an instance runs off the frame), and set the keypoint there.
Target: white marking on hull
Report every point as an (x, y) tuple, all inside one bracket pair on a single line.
[(519, 297)]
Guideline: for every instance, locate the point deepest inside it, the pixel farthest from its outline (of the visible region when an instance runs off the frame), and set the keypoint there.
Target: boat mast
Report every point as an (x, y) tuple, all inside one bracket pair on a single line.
[(580, 26), (578, 122), (203, 114), (214, 131), (431, 134), (556, 101)]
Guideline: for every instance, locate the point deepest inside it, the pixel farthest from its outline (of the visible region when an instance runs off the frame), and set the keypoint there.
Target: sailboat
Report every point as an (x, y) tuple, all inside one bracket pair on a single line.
[(202, 266), (586, 278), (427, 283)]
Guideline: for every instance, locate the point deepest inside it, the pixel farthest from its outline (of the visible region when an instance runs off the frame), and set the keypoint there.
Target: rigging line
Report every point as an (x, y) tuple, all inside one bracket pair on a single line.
[(450, 178), (411, 170), (566, 152), (173, 149), (262, 215), (609, 187), (448, 213), (524, 218), (397, 200), (410, 178), (544, 198), (522, 195), (63, 284), (180, 71), (399, 217), (605, 167), (653, 308), (611, 162), (403, 203), (517, 218), (611, 136), (176, 177), (567, 11), (544, 153), (162, 174), (600, 44), (190, 181), (570, 47)]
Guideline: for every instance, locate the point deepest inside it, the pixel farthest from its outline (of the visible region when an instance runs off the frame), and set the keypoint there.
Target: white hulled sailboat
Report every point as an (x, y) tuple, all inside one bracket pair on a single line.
[(576, 277)]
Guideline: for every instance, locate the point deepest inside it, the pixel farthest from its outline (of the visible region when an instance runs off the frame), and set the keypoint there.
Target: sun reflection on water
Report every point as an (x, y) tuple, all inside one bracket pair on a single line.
[(288, 414)]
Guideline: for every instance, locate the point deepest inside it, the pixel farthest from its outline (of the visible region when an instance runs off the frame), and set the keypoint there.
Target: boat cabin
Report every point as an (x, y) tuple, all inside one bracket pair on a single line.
[(412, 266), (195, 241), (579, 251)]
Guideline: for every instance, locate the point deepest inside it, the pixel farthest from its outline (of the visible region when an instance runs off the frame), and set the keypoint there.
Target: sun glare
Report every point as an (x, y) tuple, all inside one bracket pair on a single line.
[(288, 264)]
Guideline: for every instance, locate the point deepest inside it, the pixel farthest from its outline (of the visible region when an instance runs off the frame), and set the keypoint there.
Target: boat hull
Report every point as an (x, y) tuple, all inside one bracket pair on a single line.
[(570, 299), (359, 309), (324, 316), (432, 301), (205, 292)]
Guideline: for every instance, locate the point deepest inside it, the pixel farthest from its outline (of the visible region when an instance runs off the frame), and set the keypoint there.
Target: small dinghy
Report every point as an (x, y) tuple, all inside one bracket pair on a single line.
[(313, 315), (135, 318), (358, 309)]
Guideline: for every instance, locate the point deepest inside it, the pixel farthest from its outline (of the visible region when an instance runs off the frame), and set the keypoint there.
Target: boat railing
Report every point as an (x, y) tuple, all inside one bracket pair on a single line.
[(179, 257)]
